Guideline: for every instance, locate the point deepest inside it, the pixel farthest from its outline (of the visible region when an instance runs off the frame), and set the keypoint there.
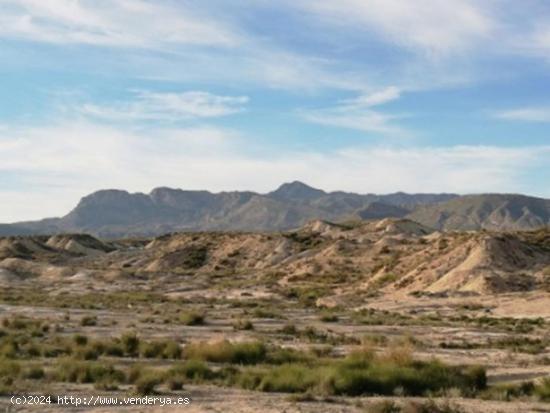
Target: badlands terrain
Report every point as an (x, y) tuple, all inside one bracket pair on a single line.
[(383, 315)]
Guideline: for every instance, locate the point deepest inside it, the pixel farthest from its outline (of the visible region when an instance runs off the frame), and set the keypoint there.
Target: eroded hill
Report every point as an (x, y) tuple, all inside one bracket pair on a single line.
[(366, 258)]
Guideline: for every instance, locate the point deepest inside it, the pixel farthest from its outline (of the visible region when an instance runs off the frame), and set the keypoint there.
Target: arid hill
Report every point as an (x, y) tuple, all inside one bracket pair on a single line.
[(375, 257)]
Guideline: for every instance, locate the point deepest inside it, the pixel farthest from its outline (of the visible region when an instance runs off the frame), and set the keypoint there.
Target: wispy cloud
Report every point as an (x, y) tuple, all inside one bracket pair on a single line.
[(529, 114), (358, 113), (375, 99), (147, 105), (129, 23), (197, 41), (433, 26)]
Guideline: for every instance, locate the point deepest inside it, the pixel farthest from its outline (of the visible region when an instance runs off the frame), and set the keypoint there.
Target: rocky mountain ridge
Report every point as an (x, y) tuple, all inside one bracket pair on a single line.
[(117, 213)]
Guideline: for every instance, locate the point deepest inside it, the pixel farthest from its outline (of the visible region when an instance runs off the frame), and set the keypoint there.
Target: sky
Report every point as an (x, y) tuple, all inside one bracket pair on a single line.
[(369, 96)]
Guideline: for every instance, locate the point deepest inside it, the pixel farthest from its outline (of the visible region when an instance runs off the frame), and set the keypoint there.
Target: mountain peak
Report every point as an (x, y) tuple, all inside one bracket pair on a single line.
[(296, 190)]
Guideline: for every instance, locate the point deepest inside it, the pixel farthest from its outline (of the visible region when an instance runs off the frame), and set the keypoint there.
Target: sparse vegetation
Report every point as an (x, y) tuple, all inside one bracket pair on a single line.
[(242, 324), (88, 321), (226, 352), (315, 329), (192, 318)]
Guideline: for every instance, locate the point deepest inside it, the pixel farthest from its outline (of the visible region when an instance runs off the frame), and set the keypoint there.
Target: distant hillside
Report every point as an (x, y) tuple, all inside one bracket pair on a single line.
[(378, 210), (116, 213), (490, 211)]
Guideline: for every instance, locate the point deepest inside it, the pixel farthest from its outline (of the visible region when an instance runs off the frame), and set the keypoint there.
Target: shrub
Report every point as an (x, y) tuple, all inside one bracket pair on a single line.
[(146, 385), (34, 373), (86, 372), (243, 325), (288, 378), (398, 355), (172, 350), (384, 406), (153, 349), (286, 355), (175, 383), (192, 318), (9, 369), (80, 340), (113, 349), (135, 372), (6, 388), (542, 390), (364, 374), (86, 353), (226, 352), (289, 329), (130, 344), (265, 313), (9, 349), (106, 384), (193, 370), (88, 321), (54, 351), (329, 318)]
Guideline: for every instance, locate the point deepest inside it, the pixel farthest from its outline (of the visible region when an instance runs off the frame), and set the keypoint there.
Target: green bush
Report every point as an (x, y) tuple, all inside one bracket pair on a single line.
[(226, 352), (88, 321), (153, 349), (9, 348), (329, 318), (172, 350), (362, 373), (542, 390), (509, 391), (279, 355), (9, 369), (160, 349), (289, 329), (243, 325), (192, 370), (86, 353), (80, 340), (113, 349), (86, 372), (135, 372), (146, 385), (192, 318), (130, 344), (289, 378), (34, 373)]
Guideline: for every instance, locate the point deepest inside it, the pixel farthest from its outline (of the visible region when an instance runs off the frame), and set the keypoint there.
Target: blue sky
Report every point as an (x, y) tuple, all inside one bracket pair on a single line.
[(358, 95)]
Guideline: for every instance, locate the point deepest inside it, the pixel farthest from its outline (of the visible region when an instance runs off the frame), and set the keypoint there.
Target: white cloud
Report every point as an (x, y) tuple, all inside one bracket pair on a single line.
[(375, 99), (135, 23), (530, 114), (358, 113), (433, 26), (199, 43), (56, 165), (168, 106), (366, 121)]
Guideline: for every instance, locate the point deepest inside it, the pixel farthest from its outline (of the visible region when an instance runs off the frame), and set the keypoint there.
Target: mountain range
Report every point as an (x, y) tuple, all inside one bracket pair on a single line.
[(117, 213)]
